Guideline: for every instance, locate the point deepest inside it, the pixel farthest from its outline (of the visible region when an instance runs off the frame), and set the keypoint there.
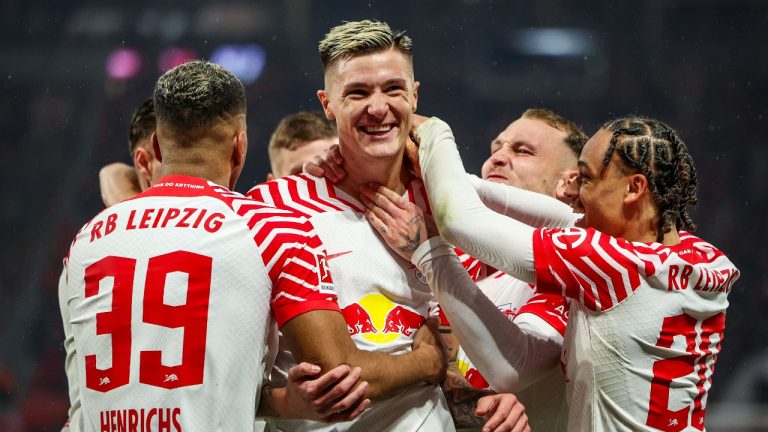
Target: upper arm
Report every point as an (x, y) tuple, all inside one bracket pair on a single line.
[(319, 337), (595, 269)]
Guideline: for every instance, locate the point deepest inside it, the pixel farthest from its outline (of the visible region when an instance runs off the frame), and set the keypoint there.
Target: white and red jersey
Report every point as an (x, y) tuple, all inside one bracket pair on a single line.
[(384, 298), (645, 330), (168, 302), (543, 314)]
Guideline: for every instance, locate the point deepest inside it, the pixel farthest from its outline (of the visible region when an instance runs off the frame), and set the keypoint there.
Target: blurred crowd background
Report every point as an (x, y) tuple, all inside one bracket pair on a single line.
[(72, 72)]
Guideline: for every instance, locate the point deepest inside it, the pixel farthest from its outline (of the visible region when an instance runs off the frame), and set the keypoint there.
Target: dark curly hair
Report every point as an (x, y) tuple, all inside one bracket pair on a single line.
[(143, 124), (655, 150)]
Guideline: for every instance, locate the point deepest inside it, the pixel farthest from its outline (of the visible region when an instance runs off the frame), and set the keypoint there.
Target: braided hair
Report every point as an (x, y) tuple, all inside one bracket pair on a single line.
[(654, 149)]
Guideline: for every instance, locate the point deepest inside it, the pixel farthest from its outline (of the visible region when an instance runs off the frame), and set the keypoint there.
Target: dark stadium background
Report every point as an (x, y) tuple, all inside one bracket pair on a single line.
[(699, 65)]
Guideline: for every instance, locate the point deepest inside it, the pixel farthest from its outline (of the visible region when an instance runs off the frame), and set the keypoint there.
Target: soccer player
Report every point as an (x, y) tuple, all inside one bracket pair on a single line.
[(537, 152), (119, 182), (371, 94), (648, 297), (154, 291), (298, 138)]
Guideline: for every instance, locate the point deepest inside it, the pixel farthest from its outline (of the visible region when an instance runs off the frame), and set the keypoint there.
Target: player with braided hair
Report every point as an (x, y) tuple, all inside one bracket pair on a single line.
[(654, 149), (647, 315)]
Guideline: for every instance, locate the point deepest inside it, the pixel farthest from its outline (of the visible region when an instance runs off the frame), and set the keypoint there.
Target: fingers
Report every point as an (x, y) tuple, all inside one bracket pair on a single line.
[(312, 389), (350, 403), (485, 405), (338, 389), (349, 414), (384, 197), (303, 370), (382, 212), (328, 165), (335, 152), (313, 167), (334, 162), (504, 413)]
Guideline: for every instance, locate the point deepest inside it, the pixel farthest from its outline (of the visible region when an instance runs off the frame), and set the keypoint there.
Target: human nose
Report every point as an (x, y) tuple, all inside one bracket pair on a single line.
[(572, 185), (378, 105), (500, 158)]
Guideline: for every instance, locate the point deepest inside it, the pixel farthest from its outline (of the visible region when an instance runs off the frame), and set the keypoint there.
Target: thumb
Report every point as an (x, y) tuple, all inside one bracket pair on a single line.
[(302, 370), (485, 405)]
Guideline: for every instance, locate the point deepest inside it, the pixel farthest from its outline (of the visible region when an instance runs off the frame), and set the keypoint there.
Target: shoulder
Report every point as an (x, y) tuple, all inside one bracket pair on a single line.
[(302, 193)]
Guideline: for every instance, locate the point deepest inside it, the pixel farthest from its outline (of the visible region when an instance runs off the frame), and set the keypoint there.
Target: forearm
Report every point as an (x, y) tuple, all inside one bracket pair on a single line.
[(509, 356), (461, 217), (386, 374), (531, 208), (118, 182)]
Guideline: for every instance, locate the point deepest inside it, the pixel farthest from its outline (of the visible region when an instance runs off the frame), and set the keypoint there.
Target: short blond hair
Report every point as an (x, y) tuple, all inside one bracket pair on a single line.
[(298, 128), (575, 137), (356, 38)]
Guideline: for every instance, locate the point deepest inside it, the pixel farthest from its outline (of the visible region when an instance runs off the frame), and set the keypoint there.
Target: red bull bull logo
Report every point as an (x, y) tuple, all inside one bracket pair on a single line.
[(377, 319)]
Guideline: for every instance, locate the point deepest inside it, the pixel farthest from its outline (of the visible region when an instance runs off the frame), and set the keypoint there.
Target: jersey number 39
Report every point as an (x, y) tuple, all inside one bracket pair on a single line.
[(191, 316)]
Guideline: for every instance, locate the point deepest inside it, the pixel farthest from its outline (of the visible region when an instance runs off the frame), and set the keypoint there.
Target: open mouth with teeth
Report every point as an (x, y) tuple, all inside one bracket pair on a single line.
[(377, 130)]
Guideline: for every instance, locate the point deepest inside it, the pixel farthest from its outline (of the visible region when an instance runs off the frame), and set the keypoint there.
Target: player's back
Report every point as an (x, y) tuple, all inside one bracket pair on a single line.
[(641, 343), (169, 305)]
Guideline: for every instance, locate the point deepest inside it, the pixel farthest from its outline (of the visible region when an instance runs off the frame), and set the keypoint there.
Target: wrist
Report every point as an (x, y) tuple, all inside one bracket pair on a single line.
[(431, 361), (273, 402)]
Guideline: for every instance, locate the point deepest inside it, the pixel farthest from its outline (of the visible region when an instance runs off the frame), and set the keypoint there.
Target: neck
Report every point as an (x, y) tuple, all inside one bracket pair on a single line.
[(215, 174), (388, 172), (644, 227)]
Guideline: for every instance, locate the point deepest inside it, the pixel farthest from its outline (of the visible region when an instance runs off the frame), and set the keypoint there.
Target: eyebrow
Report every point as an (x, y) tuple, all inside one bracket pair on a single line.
[(512, 143), (360, 84)]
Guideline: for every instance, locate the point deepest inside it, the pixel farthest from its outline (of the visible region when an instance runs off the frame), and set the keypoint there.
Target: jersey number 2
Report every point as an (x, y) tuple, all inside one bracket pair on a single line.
[(191, 316), (695, 360)]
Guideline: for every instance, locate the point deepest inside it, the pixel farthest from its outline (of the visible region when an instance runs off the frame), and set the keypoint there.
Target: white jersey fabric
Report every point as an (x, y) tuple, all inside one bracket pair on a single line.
[(544, 316), (384, 298), (647, 320), (167, 306)]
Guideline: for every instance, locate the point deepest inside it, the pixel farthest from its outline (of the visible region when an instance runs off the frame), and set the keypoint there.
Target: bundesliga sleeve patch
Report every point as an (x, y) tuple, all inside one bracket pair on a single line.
[(324, 272)]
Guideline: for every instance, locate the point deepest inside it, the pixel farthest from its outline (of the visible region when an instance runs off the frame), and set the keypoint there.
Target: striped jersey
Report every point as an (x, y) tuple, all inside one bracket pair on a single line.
[(167, 304), (384, 298), (644, 330)]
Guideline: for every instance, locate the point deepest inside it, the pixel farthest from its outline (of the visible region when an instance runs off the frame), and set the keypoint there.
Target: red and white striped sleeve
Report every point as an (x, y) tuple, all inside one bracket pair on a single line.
[(551, 308), (295, 260), (476, 269), (595, 269)]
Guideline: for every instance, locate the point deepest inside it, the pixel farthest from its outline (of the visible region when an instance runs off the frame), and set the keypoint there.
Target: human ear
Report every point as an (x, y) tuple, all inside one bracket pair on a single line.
[(637, 187), (322, 95), (142, 160), (156, 147), (416, 85)]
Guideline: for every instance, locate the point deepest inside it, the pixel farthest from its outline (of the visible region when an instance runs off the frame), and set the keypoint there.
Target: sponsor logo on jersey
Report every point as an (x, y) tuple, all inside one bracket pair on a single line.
[(379, 320), (336, 255)]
